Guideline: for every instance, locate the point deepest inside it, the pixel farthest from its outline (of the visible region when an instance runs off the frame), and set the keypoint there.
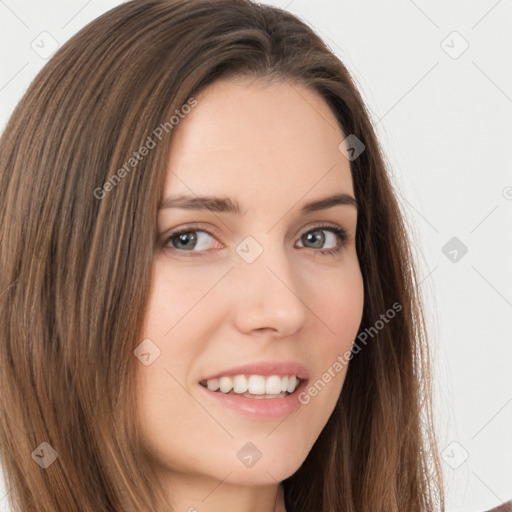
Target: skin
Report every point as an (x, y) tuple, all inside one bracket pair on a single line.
[(272, 147)]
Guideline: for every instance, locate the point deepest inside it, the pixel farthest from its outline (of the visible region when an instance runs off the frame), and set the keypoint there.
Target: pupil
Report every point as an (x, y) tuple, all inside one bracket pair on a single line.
[(186, 237), (311, 236)]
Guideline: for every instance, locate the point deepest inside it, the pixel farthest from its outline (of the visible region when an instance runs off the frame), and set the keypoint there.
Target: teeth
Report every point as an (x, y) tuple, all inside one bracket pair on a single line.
[(213, 384), (254, 384), (240, 384), (292, 384), (226, 384), (273, 385)]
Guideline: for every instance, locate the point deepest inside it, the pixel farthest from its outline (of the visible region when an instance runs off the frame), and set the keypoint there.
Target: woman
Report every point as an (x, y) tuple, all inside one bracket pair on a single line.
[(209, 301)]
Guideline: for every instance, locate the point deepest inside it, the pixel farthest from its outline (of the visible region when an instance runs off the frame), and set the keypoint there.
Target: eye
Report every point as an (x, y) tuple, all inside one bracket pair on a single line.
[(189, 239), (317, 238), (195, 241)]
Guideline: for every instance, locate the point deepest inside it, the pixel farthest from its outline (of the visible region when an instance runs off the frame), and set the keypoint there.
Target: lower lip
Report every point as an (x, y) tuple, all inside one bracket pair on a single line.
[(258, 408)]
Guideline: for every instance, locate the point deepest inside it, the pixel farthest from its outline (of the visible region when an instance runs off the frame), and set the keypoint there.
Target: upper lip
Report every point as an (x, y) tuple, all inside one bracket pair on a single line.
[(266, 368)]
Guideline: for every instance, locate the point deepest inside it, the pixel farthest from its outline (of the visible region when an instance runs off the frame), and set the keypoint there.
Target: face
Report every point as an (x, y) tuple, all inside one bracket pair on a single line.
[(272, 283)]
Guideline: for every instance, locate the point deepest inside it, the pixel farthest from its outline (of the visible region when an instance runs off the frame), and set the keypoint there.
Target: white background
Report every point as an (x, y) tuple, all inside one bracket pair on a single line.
[(446, 127)]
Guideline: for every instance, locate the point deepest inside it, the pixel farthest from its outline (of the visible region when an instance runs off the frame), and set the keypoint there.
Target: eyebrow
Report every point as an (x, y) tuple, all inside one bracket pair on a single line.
[(227, 205)]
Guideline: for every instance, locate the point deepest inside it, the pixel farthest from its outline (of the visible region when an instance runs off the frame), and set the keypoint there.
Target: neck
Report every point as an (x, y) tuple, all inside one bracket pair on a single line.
[(209, 495)]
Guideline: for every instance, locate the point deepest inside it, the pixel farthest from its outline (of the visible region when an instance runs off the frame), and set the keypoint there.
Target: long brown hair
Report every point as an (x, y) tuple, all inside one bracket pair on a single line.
[(76, 251)]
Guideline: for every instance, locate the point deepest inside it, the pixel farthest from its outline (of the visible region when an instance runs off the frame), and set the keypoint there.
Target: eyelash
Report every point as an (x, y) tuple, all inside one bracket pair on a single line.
[(337, 230)]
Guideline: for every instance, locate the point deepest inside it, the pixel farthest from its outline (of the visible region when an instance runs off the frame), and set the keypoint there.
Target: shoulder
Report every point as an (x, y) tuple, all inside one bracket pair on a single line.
[(506, 507)]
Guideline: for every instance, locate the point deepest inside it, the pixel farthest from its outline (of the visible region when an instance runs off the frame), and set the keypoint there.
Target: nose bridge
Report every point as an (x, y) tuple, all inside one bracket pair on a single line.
[(268, 288)]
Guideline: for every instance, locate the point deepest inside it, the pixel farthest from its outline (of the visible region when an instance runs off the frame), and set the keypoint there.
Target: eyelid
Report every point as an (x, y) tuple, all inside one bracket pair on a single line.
[(208, 228)]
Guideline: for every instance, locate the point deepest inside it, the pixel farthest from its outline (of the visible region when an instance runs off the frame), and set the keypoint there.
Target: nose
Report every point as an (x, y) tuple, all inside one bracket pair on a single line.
[(268, 295)]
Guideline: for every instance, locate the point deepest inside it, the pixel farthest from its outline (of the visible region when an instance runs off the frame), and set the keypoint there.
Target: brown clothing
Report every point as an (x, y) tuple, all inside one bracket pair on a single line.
[(506, 507)]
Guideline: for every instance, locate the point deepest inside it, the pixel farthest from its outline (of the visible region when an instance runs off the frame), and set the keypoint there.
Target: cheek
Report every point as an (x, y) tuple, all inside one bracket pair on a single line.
[(172, 296), (172, 343), (338, 303), (176, 312)]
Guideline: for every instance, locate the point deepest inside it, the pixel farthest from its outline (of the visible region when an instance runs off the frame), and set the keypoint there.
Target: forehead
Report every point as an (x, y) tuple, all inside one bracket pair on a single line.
[(252, 137)]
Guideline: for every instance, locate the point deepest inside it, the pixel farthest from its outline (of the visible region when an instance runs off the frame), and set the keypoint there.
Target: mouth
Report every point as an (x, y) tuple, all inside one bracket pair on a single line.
[(256, 405), (254, 386)]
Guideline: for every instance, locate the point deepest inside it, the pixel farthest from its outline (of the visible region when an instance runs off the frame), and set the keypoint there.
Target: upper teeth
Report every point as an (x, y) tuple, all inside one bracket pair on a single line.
[(255, 384)]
